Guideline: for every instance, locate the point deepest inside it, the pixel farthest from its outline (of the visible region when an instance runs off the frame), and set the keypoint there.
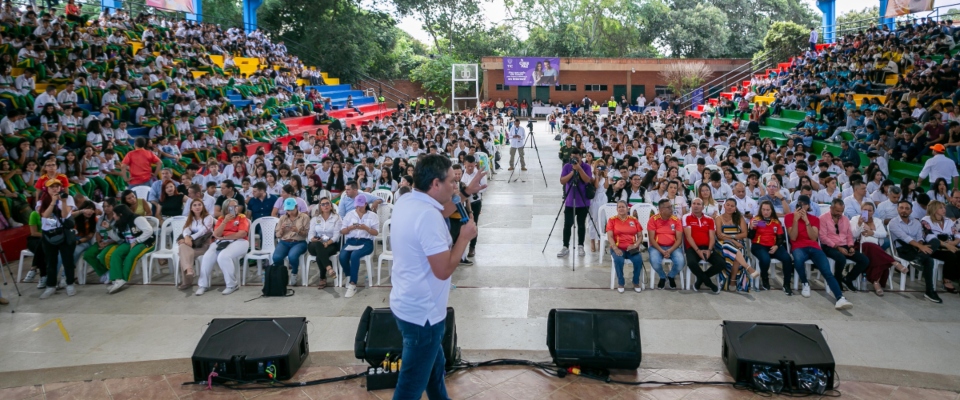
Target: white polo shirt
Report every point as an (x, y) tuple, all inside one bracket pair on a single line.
[(418, 296), (939, 167)]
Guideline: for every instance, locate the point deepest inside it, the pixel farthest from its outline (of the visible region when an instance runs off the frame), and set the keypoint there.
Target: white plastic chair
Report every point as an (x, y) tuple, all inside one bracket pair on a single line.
[(23, 255), (911, 270), (387, 253), (340, 268), (166, 249), (308, 258), (268, 243), (606, 212), (824, 209), (141, 191), (385, 195), (384, 214), (721, 151), (155, 224)]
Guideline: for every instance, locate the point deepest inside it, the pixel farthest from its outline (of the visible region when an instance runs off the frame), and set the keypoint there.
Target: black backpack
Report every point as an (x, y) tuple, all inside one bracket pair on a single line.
[(275, 280)]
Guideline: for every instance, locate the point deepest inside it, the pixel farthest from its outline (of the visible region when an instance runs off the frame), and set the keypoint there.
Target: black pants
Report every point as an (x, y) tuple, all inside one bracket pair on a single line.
[(455, 225), (840, 260), (908, 252), (716, 265), (951, 264), (568, 213), (323, 253), (65, 250), (476, 206)]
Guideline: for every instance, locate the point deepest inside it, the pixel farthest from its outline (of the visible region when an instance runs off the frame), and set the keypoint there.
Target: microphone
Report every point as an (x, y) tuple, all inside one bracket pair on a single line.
[(463, 213)]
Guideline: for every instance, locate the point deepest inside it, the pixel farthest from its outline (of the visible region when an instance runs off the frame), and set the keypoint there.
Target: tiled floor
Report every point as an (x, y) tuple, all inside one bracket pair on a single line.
[(506, 383)]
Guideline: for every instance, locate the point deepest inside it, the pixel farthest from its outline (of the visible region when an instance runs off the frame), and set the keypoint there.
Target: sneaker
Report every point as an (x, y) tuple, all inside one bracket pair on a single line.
[(61, 283), (564, 252), (466, 261), (47, 293), (843, 304), (200, 291), (580, 251), (293, 280), (351, 290), (765, 285), (472, 253), (117, 284), (229, 290), (932, 296), (849, 284), (673, 284), (661, 284), (805, 291), (714, 289), (619, 290), (104, 279), (71, 290), (15, 224), (637, 288), (786, 289), (31, 275), (696, 285)]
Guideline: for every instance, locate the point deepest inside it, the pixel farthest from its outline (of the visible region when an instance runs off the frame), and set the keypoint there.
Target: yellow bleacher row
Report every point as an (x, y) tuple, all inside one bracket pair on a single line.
[(857, 98), (247, 65)]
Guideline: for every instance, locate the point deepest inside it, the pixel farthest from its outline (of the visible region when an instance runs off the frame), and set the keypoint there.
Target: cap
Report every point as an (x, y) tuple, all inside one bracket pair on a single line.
[(289, 204), (804, 199), (51, 182), (938, 148), (360, 201)]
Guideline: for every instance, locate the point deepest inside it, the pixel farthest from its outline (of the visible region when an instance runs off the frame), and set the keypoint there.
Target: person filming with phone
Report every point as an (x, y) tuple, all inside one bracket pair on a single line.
[(768, 242)]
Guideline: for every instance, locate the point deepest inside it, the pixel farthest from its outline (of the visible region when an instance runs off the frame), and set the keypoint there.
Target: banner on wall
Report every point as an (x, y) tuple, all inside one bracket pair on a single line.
[(531, 71), (176, 5), (896, 8)]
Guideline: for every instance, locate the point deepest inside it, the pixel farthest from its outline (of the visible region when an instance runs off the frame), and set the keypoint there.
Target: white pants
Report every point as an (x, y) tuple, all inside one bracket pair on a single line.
[(227, 259)]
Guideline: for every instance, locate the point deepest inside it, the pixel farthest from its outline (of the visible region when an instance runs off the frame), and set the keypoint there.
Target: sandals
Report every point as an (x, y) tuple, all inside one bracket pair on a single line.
[(322, 285), (948, 289), (902, 269), (878, 289), (331, 274)]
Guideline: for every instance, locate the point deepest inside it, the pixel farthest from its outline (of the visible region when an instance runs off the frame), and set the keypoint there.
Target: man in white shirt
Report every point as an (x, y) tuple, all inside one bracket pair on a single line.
[(518, 137), (423, 263), (939, 166), (746, 205), (49, 95)]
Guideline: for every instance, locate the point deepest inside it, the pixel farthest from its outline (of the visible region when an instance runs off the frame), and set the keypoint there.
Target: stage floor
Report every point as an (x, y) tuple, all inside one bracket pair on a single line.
[(501, 302)]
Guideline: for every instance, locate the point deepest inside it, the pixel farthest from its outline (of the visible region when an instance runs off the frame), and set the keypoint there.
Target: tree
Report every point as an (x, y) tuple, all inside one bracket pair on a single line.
[(681, 77), (446, 21), (855, 20), (785, 39), (224, 12), (695, 32), (434, 75)]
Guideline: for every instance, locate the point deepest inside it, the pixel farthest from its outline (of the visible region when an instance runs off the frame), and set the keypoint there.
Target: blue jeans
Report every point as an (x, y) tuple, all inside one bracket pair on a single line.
[(800, 257), (762, 253), (637, 261), (423, 362), (656, 262), (350, 260), (292, 252)]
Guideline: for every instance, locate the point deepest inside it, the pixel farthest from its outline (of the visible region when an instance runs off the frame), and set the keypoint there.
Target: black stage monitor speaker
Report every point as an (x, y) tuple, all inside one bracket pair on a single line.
[(252, 348), (775, 357), (378, 335), (594, 338)]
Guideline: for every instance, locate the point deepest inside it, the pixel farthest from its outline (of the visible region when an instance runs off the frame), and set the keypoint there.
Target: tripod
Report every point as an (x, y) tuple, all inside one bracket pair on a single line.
[(3, 259), (533, 144), (575, 183)]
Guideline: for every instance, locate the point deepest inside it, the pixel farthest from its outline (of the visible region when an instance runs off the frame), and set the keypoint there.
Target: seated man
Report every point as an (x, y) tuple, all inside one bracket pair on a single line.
[(665, 240), (701, 236), (836, 237), (906, 234), (803, 230)]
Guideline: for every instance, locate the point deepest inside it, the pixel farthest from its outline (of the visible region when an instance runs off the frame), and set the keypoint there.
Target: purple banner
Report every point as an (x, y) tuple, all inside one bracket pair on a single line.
[(531, 71)]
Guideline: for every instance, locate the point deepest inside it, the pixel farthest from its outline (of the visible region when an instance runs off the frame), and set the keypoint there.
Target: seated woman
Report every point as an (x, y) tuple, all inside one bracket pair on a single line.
[(871, 234), (360, 227), (624, 233), (324, 239), (137, 239), (197, 234), (937, 227), (104, 241), (768, 241), (732, 229), (230, 244), (171, 201), (291, 231), (139, 207)]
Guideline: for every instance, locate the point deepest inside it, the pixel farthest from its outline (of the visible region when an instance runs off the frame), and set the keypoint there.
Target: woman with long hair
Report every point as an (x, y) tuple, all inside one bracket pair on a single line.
[(768, 242), (230, 233), (171, 201), (323, 239), (336, 183), (731, 231), (710, 206), (137, 206), (601, 182), (137, 239), (197, 233), (872, 235), (55, 208), (940, 191), (86, 227), (360, 227), (936, 226), (105, 240)]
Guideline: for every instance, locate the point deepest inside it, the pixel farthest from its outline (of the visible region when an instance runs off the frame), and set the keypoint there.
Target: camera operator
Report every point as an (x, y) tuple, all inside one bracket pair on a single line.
[(575, 177)]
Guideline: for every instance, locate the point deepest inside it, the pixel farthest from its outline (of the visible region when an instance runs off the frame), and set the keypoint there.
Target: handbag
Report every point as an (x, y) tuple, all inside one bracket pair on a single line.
[(55, 237), (202, 241), (223, 244)]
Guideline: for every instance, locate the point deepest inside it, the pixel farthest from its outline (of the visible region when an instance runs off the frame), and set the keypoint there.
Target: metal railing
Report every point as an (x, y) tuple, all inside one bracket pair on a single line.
[(852, 27), (736, 75)]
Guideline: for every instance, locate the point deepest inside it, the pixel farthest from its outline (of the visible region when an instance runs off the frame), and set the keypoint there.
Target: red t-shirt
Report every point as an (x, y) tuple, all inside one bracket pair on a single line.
[(803, 240), (140, 163), (699, 229), (240, 223), (766, 235), (624, 231), (664, 231)]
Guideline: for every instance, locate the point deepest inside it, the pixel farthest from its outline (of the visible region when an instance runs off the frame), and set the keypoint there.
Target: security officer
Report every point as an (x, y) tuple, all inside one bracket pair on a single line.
[(566, 149), (612, 105), (423, 104), (431, 108)]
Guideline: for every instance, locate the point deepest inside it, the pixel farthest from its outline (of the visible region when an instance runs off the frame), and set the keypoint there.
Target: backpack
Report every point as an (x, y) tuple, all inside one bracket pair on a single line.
[(275, 280)]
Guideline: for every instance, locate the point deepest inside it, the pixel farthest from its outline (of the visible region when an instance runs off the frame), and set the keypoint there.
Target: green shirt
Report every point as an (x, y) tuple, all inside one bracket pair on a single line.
[(34, 219)]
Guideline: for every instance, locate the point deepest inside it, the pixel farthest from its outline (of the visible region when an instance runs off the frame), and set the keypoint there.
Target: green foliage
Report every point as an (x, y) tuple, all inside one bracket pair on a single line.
[(700, 31), (224, 12), (784, 40), (855, 20), (434, 76)]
